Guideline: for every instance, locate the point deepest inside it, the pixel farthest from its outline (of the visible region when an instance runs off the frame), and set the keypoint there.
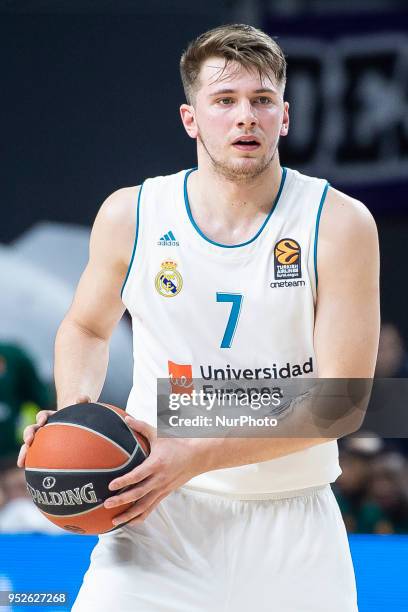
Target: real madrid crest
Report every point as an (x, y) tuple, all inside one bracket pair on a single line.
[(168, 281)]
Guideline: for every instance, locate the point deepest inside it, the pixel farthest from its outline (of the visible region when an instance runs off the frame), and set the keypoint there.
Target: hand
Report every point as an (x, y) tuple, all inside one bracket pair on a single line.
[(171, 463), (30, 430)]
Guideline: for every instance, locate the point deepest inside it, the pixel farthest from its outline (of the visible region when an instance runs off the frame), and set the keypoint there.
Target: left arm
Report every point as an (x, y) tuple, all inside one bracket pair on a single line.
[(346, 335)]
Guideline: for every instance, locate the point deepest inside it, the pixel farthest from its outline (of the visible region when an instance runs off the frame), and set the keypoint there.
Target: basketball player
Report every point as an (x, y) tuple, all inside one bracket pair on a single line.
[(225, 524)]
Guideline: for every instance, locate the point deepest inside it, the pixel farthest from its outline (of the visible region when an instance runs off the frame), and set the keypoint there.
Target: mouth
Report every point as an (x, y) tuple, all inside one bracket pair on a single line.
[(246, 145)]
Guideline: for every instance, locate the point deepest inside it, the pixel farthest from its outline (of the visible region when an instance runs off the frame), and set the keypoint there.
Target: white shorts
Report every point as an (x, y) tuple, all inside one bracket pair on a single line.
[(200, 551)]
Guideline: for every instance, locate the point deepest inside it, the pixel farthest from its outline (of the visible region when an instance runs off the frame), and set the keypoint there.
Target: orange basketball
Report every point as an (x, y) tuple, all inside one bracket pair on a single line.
[(72, 460)]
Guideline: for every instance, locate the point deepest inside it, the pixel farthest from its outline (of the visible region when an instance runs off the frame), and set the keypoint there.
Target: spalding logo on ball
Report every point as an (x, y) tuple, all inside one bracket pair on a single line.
[(72, 460)]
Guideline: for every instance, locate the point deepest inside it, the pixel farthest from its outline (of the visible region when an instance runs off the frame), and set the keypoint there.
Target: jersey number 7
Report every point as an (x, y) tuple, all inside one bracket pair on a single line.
[(236, 300)]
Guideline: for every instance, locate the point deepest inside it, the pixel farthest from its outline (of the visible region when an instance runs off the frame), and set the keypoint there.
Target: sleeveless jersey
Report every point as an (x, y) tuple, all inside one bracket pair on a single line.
[(182, 326)]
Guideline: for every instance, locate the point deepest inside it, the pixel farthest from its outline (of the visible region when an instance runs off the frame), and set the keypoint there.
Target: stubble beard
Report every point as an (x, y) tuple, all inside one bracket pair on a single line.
[(239, 173)]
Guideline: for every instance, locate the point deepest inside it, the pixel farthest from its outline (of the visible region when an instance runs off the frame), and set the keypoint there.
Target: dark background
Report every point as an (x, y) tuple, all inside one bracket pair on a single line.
[(90, 98)]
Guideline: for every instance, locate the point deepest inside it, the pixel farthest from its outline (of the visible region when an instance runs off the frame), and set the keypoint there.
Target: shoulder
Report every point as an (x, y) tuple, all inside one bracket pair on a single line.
[(115, 224), (348, 240), (119, 206), (338, 210), (345, 220)]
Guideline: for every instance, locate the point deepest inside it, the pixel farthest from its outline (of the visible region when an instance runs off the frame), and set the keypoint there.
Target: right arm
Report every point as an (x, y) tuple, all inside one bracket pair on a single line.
[(82, 340)]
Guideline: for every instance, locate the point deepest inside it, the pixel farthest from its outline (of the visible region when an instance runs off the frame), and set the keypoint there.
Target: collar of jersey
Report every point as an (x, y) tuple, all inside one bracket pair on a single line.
[(241, 244)]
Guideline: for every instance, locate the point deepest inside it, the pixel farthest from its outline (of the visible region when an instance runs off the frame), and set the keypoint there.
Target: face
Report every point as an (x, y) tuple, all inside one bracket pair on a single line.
[(237, 120)]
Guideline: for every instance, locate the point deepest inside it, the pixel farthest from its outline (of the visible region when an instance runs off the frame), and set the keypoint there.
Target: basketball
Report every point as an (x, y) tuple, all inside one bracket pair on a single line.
[(72, 460)]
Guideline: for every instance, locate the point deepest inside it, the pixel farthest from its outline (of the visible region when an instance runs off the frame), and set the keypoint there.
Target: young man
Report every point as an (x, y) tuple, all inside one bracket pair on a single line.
[(224, 523)]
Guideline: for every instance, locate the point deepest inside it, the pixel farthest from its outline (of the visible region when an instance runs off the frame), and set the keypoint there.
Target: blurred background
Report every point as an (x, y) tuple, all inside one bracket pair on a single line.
[(90, 99), (91, 93)]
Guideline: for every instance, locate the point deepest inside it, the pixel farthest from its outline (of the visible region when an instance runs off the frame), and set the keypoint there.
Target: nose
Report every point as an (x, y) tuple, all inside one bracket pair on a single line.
[(246, 116)]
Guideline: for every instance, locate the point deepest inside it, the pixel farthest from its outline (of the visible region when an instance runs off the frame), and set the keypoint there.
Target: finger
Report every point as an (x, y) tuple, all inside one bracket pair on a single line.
[(138, 508), (130, 495), (139, 473), (29, 433), (142, 427), (42, 416), (22, 456)]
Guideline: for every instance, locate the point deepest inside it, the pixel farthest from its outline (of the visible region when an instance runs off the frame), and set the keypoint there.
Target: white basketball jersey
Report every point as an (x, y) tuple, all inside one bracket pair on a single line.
[(199, 306)]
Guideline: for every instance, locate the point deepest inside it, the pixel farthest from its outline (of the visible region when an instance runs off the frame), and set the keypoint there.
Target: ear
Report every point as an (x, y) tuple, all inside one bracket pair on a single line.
[(285, 121), (187, 114)]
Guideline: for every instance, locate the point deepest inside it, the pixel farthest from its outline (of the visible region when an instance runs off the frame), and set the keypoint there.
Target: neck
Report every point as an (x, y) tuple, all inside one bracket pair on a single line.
[(232, 203)]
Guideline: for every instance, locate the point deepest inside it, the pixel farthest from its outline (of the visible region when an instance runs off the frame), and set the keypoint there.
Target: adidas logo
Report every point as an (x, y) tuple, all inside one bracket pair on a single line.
[(168, 239)]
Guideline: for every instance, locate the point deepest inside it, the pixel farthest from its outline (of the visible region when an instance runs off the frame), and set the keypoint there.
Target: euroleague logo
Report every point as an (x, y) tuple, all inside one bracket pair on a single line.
[(287, 259)]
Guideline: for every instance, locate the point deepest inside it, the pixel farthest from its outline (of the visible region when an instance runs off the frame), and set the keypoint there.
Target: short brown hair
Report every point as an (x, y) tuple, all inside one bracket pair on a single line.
[(244, 44)]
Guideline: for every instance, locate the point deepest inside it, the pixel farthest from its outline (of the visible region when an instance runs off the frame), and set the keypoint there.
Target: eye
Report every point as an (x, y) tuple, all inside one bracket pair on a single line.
[(264, 100), (225, 101)]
